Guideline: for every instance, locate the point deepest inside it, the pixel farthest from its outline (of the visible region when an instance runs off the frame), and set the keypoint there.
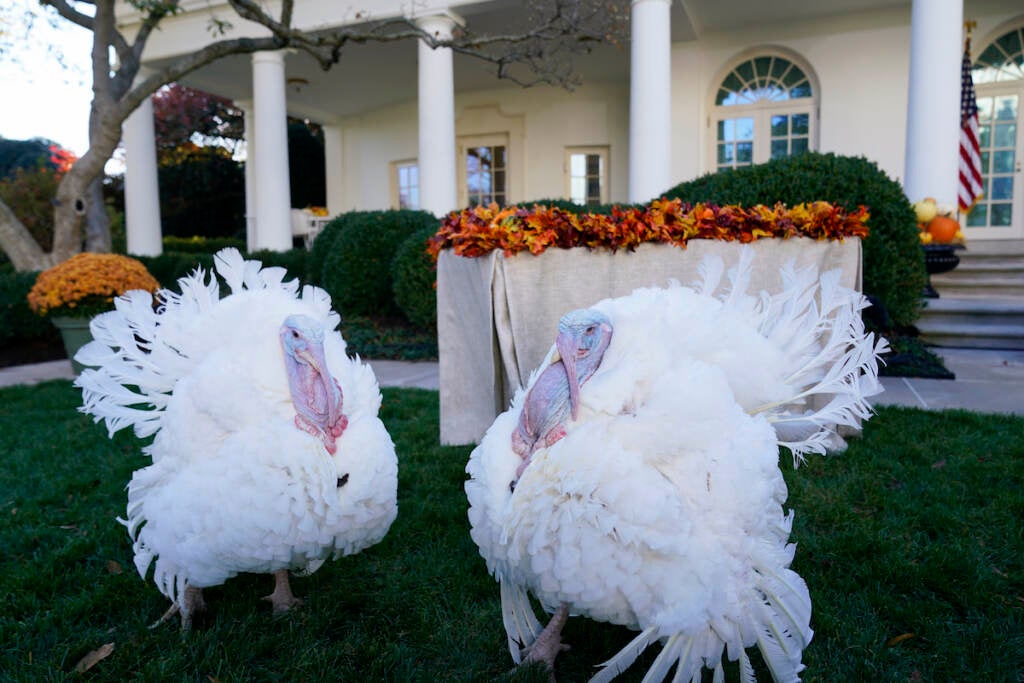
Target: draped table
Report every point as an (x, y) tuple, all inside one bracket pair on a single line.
[(497, 316)]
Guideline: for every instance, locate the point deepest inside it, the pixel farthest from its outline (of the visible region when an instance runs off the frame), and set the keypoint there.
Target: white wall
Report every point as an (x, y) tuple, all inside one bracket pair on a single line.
[(553, 119)]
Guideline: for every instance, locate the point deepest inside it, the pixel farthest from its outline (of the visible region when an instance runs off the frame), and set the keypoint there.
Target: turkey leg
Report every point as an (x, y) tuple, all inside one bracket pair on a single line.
[(193, 600), (282, 598), (549, 642)]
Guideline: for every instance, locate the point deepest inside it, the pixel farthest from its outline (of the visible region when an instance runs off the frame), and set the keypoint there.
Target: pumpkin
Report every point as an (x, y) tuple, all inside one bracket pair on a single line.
[(943, 229)]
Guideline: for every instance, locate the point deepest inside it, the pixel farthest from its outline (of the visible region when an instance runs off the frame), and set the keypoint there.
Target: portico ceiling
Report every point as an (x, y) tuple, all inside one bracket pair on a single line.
[(375, 75)]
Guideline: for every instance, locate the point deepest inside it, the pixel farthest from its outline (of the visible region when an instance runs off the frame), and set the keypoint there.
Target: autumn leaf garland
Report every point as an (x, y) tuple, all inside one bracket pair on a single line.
[(482, 229)]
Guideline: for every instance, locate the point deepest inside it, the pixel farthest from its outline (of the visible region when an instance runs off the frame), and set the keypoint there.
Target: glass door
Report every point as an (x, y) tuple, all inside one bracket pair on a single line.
[(998, 212)]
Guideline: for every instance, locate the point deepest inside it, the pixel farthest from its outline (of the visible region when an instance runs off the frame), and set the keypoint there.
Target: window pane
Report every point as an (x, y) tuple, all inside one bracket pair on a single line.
[(593, 188), (798, 145), (801, 124), (744, 152), (594, 164), (1002, 161), (485, 155), (472, 163), (578, 189), (985, 167), (1000, 215), (984, 108), (761, 66), (577, 164), (1006, 108), (978, 215), (1010, 43), (1006, 135), (726, 130), (779, 68), (725, 154), (780, 148), (801, 90), (984, 135), (414, 198), (745, 72), (499, 181), (745, 129), (500, 156), (1002, 188), (780, 127)]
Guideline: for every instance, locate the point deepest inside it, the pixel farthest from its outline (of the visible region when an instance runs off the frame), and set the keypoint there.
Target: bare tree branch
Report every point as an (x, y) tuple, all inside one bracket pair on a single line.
[(70, 13)]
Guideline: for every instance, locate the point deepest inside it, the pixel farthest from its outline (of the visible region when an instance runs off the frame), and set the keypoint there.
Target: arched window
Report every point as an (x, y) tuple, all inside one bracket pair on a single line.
[(764, 109), (998, 75)]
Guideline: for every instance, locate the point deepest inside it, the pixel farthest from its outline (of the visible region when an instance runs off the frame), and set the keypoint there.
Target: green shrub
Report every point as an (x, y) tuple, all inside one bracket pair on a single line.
[(414, 279), (17, 321), (29, 194), (293, 260), (893, 261), (200, 245), (572, 207), (357, 270), (324, 242), (168, 267)]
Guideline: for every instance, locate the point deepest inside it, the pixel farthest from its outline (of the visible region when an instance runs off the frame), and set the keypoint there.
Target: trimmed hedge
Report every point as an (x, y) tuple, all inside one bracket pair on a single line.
[(357, 266), (414, 277), (17, 321), (893, 261)]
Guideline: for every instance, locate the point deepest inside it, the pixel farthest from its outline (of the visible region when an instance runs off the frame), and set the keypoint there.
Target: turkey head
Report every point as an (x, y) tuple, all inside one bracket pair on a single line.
[(583, 337), (315, 393)]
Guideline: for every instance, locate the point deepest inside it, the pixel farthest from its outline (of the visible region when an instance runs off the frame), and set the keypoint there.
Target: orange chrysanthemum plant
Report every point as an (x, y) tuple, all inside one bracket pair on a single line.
[(86, 284), (480, 230)]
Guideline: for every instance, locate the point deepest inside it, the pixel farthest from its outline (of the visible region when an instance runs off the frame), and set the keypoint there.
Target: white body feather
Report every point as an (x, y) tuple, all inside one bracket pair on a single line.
[(661, 509), (234, 485)]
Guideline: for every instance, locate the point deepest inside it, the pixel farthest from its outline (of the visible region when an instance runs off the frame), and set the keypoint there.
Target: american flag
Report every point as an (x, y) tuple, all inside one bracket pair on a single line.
[(970, 153)]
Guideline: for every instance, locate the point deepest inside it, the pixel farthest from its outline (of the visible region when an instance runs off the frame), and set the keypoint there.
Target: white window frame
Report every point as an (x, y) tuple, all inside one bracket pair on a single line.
[(395, 185), (599, 150), (761, 111), (492, 140)]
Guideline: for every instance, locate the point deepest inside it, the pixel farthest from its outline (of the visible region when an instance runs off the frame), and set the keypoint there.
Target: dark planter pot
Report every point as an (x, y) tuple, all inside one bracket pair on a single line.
[(938, 258)]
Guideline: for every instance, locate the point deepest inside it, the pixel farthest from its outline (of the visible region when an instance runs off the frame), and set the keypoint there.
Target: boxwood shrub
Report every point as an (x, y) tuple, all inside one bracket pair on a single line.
[(893, 260), (17, 321), (357, 267), (414, 276)]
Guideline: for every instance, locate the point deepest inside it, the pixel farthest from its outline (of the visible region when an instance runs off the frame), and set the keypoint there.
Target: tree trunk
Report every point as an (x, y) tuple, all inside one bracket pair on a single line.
[(97, 222), (19, 245)]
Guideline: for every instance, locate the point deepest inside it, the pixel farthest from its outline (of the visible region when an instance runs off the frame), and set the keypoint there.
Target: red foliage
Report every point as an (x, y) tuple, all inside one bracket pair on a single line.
[(480, 230), (180, 112), (62, 159)]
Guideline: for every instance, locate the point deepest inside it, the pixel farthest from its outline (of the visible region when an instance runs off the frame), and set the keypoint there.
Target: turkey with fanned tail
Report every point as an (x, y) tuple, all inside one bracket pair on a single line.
[(267, 452), (635, 479)]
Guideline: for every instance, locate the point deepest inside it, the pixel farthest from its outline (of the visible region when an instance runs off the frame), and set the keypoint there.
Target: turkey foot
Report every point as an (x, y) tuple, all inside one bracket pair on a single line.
[(194, 603), (282, 598), (549, 642)]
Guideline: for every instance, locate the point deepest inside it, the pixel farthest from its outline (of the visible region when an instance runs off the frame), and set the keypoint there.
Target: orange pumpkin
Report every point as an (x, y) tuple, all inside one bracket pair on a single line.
[(943, 229)]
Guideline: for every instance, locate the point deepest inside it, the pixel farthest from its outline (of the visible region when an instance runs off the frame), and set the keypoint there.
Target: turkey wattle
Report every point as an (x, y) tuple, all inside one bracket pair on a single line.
[(268, 454), (636, 479)]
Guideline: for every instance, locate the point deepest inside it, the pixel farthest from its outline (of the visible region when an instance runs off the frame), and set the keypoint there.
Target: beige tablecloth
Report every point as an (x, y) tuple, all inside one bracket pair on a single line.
[(497, 317)]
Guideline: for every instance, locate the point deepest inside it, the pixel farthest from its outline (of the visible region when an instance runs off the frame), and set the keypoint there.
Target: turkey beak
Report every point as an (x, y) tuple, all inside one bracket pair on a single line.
[(565, 345)]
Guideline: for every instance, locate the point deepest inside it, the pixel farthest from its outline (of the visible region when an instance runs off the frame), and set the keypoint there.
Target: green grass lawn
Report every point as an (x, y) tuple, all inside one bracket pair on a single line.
[(912, 543)]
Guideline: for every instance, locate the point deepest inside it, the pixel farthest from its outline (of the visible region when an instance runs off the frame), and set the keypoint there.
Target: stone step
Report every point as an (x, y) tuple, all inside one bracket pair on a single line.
[(973, 289), (991, 322), (989, 248)]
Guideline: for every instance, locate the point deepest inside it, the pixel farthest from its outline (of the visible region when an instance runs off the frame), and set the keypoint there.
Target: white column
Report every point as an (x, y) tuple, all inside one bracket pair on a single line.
[(141, 189), (250, 172), (273, 197), (334, 169), (650, 75), (436, 99), (933, 101)]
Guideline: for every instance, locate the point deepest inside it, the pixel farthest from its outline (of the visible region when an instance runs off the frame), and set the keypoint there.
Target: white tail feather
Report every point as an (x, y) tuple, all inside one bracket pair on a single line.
[(626, 656), (521, 625), (139, 353)]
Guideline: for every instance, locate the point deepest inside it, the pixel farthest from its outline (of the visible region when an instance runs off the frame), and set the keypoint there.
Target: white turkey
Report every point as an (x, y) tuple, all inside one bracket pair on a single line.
[(268, 454), (636, 480)]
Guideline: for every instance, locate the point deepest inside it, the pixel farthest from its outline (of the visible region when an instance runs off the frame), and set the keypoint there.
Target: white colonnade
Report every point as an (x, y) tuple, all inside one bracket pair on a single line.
[(933, 101)]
